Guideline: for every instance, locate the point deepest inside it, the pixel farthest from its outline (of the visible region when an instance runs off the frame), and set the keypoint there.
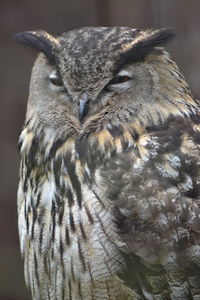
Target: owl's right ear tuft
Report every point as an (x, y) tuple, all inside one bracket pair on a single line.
[(39, 40)]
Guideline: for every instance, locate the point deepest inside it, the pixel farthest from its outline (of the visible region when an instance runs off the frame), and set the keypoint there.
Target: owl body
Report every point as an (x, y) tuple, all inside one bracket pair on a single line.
[(108, 199), (61, 210)]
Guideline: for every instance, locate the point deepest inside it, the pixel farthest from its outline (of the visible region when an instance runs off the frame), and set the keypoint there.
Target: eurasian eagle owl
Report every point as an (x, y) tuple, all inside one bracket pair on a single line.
[(108, 198)]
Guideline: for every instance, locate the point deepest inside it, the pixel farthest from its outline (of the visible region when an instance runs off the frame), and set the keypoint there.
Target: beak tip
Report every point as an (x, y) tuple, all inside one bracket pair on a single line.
[(83, 108)]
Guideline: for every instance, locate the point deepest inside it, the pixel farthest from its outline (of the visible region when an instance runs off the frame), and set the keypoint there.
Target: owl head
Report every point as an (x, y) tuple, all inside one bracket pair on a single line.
[(98, 76)]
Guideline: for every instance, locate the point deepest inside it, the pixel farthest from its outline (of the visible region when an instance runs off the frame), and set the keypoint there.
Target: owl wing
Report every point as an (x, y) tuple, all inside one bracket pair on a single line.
[(155, 194)]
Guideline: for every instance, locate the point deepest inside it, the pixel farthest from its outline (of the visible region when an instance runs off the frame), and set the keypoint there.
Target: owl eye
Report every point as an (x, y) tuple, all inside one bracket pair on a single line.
[(115, 83), (56, 80), (119, 79)]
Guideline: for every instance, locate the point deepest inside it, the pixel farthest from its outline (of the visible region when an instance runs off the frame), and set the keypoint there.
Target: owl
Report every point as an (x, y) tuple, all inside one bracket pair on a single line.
[(109, 190)]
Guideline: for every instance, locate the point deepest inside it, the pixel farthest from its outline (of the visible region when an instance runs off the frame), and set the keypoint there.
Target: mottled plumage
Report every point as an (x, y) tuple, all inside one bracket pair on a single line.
[(109, 191)]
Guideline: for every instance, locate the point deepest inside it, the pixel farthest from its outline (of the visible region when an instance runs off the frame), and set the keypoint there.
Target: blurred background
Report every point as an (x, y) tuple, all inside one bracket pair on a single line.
[(15, 67)]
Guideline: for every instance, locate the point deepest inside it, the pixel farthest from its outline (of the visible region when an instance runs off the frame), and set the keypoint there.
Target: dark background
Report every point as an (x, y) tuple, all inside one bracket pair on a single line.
[(57, 16)]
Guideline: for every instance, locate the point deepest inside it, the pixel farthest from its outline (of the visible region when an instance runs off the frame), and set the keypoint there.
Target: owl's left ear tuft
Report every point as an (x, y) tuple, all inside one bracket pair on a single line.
[(40, 41), (156, 38), (145, 43)]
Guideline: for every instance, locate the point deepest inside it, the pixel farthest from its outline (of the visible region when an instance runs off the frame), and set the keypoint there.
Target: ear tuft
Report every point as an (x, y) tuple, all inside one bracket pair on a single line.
[(39, 40), (157, 38), (145, 43)]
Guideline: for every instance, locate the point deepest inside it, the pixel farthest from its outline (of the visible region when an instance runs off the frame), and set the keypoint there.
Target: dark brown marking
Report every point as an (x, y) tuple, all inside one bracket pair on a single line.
[(31, 158), (61, 213), (53, 217), (46, 265), (80, 290), (36, 268), (81, 256), (63, 291), (52, 253), (196, 118), (27, 122), (27, 220), (25, 211), (61, 257), (38, 199), (72, 269), (133, 133), (70, 197), (67, 237), (82, 231), (74, 180), (115, 131), (19, 145), (70, 289), (57, 171), (41, 213), (71, 221), (89, 215), (56, 145), (82, 148), (34, 218), (41, 236)]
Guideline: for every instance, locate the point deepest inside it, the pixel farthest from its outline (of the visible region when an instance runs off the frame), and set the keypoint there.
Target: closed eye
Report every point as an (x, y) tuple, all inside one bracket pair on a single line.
[(117, 82), (119, 79)]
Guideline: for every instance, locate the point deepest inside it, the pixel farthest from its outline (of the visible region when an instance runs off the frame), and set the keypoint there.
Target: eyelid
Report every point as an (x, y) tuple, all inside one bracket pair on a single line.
[(119, 79), (111, 84)]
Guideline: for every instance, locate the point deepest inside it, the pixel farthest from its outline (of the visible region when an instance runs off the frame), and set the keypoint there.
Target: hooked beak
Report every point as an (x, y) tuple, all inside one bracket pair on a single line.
[(83, 107)]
